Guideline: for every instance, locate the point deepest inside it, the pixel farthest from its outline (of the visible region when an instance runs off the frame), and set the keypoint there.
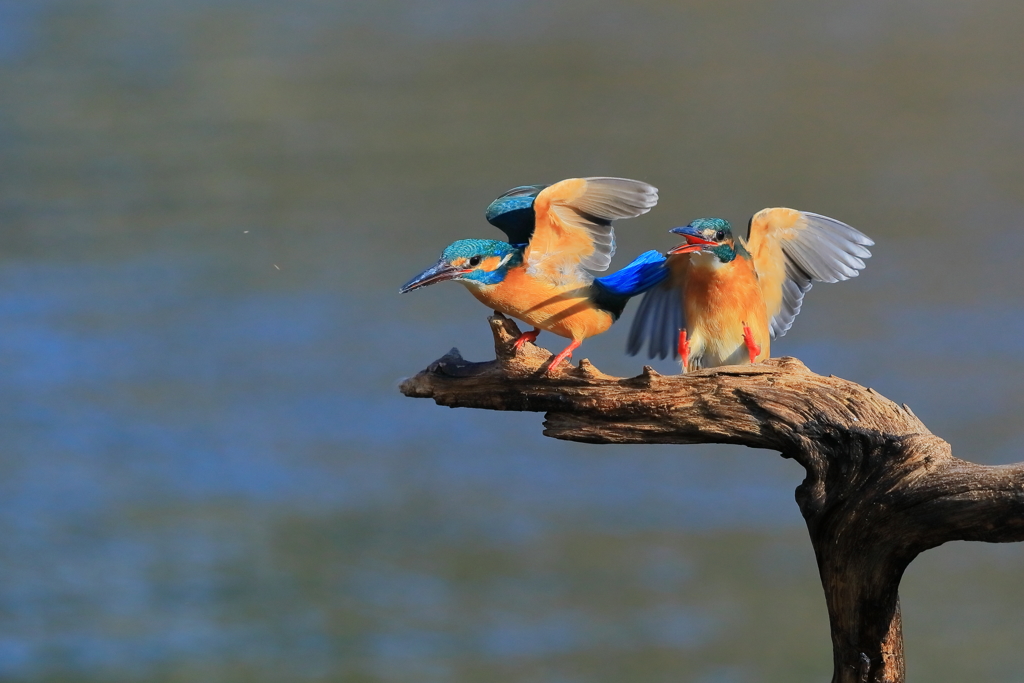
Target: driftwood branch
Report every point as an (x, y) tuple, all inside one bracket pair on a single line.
[(880, 487)]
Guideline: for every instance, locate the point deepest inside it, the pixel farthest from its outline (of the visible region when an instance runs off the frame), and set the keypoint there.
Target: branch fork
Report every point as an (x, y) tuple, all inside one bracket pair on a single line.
[(880, 488)]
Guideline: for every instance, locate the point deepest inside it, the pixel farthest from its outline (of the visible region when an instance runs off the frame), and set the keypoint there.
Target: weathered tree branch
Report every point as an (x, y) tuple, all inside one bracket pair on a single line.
[(880, 488)]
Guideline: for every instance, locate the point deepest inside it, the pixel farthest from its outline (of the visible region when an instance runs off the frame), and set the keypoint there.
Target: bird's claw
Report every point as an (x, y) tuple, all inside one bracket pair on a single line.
[(566, 353), (753, 348), (684, 349), (526, 337)]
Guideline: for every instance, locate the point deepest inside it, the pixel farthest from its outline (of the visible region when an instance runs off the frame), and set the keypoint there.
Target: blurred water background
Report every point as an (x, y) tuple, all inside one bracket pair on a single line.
[(206, 209)]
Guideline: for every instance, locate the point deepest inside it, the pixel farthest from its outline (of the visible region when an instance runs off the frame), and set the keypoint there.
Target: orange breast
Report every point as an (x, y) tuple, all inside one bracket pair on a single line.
[(718, 303), (566, 311)]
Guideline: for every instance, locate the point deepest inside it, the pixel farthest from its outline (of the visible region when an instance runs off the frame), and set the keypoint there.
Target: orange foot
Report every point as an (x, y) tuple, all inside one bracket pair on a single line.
[(566, 353), (752, 347), (684, 349), (527, 337)]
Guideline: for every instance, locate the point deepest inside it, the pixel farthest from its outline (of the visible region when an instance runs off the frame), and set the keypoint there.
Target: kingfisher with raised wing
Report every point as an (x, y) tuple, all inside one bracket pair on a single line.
[(540, 276), (727, 297)]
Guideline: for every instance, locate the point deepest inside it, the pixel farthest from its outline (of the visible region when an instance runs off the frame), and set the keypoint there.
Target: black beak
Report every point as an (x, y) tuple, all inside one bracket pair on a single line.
[(439, 272), (695, 241)]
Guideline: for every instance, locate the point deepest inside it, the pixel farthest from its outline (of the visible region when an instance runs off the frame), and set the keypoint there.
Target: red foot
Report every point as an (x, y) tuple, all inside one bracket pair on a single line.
[(566, 353), (752, 347), (684, 349), (527, 337)]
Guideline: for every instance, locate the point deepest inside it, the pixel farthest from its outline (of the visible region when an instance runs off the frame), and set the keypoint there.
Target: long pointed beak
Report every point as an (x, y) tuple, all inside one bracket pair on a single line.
[(439, 272), (694, 241)]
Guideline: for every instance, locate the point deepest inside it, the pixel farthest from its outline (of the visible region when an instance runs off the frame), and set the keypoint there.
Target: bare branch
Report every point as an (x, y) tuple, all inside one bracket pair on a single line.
[(880, 487)]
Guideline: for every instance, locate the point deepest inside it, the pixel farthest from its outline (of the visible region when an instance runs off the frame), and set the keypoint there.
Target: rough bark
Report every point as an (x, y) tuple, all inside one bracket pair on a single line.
[(880, 488)]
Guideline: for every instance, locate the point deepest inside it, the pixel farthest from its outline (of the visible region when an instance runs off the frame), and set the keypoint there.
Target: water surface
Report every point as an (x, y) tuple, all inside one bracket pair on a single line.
[(207, 207)]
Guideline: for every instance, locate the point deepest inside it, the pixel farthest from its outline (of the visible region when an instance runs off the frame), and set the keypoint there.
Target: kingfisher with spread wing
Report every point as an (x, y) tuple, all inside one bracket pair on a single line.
[(540, 275), (728, 297)]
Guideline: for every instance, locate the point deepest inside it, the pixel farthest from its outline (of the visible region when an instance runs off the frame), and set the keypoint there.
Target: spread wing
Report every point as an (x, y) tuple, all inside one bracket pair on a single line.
[(791, 249), (660, 315), (573, 225)]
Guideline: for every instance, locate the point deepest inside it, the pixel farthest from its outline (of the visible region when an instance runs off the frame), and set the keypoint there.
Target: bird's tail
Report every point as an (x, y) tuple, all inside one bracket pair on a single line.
[(611, 292)]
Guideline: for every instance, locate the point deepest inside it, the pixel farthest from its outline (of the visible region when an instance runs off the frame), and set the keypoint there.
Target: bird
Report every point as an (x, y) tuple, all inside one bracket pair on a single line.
[(727, 297), (556, 235)]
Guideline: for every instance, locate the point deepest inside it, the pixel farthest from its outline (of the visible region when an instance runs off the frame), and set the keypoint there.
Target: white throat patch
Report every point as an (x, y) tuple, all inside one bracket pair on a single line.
[(705, 259)]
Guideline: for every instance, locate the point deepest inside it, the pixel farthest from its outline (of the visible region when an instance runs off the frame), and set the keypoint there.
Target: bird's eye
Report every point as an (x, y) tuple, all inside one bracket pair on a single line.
[(719, 236), (475, 261)]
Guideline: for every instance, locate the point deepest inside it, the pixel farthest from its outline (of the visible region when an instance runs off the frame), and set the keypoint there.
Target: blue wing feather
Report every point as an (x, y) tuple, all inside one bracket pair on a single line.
[(513, 213), (611, 292)]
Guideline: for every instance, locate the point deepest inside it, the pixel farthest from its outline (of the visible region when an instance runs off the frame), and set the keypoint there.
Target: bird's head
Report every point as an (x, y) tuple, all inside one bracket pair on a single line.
[(707, 235), (474, 262)]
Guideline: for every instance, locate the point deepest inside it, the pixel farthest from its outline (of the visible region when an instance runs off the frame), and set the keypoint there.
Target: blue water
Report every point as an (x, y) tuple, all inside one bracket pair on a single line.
[(207, 472), (147, 416)]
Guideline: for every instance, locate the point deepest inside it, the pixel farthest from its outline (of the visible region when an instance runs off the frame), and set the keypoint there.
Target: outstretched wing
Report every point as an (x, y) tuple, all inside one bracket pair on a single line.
[(573, 224), (660, 316), (791, 249)]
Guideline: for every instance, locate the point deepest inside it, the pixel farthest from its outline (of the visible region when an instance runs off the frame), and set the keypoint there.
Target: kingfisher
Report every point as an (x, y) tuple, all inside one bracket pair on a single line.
[(540, 276), (727, 297)]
